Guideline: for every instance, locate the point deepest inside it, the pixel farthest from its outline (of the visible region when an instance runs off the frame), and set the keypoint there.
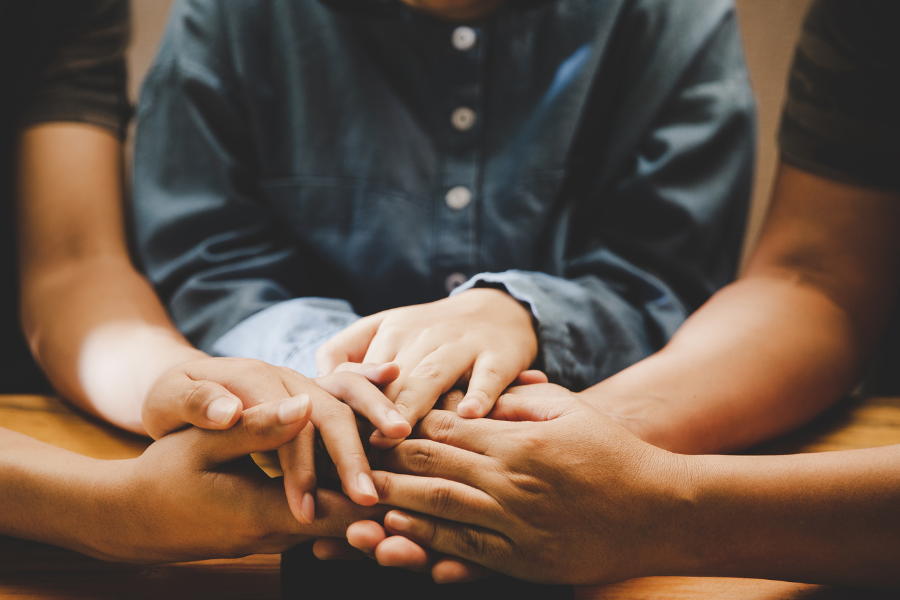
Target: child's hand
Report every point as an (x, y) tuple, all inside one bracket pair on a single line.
[(483, 336), (212, 392)]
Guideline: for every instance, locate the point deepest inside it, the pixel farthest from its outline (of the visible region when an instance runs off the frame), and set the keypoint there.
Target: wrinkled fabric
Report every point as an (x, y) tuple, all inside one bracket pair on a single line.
[(292, 149)]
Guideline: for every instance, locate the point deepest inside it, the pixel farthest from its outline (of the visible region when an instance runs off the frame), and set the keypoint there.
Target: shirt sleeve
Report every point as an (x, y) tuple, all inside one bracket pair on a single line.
[(841, 120), (670, 234), (233, 281), (85, 80)]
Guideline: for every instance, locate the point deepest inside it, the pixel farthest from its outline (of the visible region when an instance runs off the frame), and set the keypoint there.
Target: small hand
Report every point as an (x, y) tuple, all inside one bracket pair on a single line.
[(197, 494), (482, 336), (196, 391), (536, 500)]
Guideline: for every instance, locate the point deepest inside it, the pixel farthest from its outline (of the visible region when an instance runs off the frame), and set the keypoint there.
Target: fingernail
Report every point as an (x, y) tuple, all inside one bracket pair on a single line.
[(221, 410), (308, 508), (398, 521), (366, 487), (394, 417), (470, 406), (293, 409)]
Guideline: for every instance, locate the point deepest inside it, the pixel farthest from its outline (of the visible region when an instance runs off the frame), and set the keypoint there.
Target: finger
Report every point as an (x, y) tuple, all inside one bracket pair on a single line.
[(261, 428), (474, 435), (379, 374), (365, 536), (205, 404), (349, 345), (434, 375), (297, 459), (475, 544), (425, 458), (335, 549), (337, 426), (513, 407), (450, 400), (449, 569), (335, 513), (440, 498), (397, 551), (490, 376), (367, 400), (531, 377)]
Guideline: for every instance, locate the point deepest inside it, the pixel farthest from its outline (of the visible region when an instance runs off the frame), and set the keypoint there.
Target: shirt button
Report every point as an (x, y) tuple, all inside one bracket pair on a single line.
[(463, 118), (454, 280), (458, 198), (464, 38)]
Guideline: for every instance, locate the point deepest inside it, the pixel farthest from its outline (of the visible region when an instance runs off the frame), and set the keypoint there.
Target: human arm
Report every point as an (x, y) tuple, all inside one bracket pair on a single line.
[(192, 495), (497, 497), (772, 350)]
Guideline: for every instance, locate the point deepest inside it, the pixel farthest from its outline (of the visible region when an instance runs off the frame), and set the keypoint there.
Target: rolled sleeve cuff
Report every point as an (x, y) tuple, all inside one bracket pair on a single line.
[(288, 334), (556, 356)]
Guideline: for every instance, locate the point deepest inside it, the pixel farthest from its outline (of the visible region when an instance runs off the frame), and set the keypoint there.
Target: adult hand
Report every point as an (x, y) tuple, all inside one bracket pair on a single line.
[(572, 499), (212, 392), (482, 336), (197, 494)]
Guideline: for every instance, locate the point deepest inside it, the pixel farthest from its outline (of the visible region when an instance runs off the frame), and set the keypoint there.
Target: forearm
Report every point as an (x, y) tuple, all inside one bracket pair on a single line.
[(820, 518), (760, 358), (99, 332), (54, 496)]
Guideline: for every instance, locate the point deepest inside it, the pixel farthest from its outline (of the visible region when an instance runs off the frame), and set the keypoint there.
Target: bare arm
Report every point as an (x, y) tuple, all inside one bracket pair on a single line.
[(92, 321), (772, 350)]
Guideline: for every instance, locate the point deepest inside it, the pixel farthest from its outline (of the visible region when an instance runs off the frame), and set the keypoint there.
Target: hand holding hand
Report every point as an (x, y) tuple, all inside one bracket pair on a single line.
[(482, 336), (197, 494), (572, 499), (213, 392)]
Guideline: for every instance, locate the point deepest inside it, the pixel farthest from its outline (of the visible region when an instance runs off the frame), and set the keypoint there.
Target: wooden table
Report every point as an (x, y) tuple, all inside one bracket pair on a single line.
[(38, 571)]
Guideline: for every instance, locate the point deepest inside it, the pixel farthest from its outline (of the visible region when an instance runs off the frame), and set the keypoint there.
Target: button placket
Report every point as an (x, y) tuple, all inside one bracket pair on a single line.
[(455, 258)]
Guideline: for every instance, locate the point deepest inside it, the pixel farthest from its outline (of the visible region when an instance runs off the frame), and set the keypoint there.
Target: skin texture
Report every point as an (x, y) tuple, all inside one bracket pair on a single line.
[(763, 356), (194, 494), (481, 338), (99, 332)]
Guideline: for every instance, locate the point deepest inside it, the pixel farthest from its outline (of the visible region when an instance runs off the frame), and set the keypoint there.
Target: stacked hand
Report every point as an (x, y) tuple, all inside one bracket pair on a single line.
[(211, 393), (481, 339), (547, 490), (197, 494)]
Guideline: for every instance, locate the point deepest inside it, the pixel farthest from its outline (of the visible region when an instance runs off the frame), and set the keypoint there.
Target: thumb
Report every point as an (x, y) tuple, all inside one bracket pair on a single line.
[(349, 345), (513, 407), (264, 427)]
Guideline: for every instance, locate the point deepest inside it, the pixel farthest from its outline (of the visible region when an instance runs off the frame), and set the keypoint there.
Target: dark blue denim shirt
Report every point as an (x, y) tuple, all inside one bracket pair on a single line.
[(300, 162)]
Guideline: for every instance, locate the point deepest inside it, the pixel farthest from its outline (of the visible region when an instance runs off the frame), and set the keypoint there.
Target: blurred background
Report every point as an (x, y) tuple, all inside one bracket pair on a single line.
[(770, 29)]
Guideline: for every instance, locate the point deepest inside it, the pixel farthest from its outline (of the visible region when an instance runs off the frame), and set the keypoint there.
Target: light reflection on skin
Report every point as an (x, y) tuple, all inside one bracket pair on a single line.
[(117, 365)]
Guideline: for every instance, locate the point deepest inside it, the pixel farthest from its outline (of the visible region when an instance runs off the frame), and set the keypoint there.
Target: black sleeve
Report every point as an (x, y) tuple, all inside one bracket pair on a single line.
[(85, 79), (841, 119)]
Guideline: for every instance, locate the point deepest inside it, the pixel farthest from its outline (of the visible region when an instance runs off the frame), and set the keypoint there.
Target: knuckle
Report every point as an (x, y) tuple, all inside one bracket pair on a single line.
[(438, 426), (423, 460), (472, 541), (198, 394), (428, 372), (441, 498)]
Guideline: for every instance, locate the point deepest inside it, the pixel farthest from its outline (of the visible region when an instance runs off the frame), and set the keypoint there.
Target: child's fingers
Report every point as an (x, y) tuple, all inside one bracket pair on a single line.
[(349, 345), (367, 400), (513, 407), (490, 376), (297, 459), (379, 374), (531, 377), (434, 375)]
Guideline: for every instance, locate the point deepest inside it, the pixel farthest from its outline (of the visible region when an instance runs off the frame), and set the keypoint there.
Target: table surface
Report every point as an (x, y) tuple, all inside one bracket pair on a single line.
[(38, 571)]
